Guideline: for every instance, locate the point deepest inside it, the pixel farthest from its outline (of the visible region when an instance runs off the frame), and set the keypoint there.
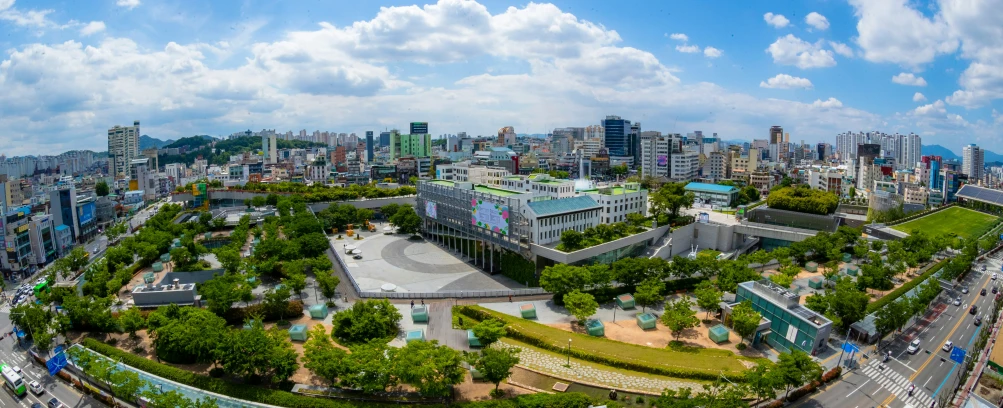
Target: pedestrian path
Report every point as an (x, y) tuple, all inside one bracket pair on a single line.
[(896, 384), (5, 307)]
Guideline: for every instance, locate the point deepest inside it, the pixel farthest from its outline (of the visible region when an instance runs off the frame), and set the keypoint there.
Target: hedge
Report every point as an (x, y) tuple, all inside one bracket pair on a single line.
[(288, 399), (612, 361), (895, 294), (518, 268), (237, 315)]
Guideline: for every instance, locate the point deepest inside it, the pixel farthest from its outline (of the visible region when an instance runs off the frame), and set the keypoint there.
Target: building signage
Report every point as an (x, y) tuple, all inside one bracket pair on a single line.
[(431, 211), (486, 214), (663, 160), (21, 229)]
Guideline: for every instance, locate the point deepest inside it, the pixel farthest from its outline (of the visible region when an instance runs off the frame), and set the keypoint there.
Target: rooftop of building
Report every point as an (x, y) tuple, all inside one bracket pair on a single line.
[(616, 190), (710, 188), (481, 188), (563, 205), (776, 294)]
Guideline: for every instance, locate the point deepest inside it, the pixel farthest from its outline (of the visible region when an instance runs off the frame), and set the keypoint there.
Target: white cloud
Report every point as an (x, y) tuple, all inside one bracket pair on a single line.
[(918, 97), (907, 78), (130, 4), (936, 108), (817, 20), (92, 28), (689, 49), (830, 103), (712, 52), (784, 81), (841, 49), (6, 4), (679, 37), (790, 50), (30, 18), (776, 20), (892, 31)]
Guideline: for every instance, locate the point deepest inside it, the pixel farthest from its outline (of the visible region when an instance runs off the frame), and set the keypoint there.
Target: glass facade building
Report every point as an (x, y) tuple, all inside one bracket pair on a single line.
[(792, 326), (617, 136)]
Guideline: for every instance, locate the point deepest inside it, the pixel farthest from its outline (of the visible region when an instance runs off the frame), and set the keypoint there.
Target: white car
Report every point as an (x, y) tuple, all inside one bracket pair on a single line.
[(17, 369), (948, 346), (36, 388), (913, 347), (957, 302)]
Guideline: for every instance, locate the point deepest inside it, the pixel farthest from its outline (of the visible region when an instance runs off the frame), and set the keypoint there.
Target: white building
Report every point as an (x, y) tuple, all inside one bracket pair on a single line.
[(716, 166), (618, 201), (973, 162), (684, 166), (655, 152), (123, 148), (548, 219)]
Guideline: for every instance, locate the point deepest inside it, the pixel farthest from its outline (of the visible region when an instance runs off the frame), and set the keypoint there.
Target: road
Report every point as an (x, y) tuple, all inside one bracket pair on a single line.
[(874, 384)]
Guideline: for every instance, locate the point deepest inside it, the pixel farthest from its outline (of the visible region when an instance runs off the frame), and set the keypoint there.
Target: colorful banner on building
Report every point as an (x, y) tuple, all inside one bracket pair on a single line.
[(486, 214), (86, 214), (431, 211), (663, 160)]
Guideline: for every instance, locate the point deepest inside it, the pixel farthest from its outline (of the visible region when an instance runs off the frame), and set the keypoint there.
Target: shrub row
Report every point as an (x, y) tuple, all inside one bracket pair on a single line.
[(288, 399), (237, 315), (895, 294), (809, 388), (542, 343), (919, 214)]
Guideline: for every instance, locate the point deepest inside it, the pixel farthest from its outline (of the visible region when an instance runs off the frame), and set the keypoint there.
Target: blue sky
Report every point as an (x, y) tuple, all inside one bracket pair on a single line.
[(70, 70)]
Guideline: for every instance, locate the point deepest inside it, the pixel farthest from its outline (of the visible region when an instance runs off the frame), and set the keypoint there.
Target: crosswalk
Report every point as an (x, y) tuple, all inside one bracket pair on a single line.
[(896, 384), (5, 307)]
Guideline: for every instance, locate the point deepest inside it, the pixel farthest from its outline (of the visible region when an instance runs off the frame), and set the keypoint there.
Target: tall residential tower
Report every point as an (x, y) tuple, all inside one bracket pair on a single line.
[(123, 147)]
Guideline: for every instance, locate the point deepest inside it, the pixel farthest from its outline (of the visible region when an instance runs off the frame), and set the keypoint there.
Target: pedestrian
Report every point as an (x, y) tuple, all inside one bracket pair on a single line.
[(412, 303), (423, 302), (510, 298)]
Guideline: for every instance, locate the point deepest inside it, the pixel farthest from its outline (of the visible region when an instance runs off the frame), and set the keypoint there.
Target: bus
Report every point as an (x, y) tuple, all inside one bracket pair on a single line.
[(12, 381), (42, 286)]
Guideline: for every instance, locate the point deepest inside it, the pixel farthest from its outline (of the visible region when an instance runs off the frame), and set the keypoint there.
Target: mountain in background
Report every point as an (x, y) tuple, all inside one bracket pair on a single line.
[(992, 157), (146, 142), (947, 154)]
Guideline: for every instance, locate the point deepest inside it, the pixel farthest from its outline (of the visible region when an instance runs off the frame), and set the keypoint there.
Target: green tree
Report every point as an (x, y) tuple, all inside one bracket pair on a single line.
[(328, 283), (892, 316), (649, 292), (255, 352), (489, 331), (259, 201), (366, 320), (322, 357), (101, 189), (221, 292), (229, 257), (125, 384), (77, 258), (561, 279), (297, 283), (679, 316), (762, 381), (571, 240), (185, 334), (406, 220), (430, 368), (277, 300), (783, 280), (795, 369), (745, 319), (496, 363), (131, 321), (389, 210), (708, 297), (369, 367), (581, 305)]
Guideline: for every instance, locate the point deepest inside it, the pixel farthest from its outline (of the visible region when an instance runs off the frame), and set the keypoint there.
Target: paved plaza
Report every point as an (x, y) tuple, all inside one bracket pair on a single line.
[(414, 266)]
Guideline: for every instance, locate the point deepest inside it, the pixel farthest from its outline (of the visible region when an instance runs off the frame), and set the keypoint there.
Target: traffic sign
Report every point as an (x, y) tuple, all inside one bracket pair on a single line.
[(958, 355), (850, 348)]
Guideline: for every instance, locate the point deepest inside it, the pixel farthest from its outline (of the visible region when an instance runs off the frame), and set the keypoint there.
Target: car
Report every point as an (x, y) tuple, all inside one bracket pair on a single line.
[(913, 347), (983, 292), (36, 388), (964, 290), (357, 256), (36, 405), (978, 320), (54, 403), (17, 369), (994, 275), (948, 346), (957, 302), (973, 310)]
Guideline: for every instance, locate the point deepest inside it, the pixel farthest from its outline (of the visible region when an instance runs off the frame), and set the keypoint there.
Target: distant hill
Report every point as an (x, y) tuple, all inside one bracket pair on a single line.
[(191, 141), (147, 142), (993, 157), (938, 150)]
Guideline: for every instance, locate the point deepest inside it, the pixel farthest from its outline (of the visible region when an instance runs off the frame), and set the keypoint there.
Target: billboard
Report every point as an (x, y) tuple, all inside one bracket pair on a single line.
[(431, 211), (486, 214), (86, 214), (663, 160)]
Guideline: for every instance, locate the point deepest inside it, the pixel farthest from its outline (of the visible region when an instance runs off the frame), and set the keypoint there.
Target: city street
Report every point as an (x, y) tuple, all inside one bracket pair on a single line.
[(875, 383)]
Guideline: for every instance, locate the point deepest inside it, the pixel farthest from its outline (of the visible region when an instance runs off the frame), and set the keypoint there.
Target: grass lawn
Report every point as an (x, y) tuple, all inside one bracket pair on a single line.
[(712, 361), (956, 220)]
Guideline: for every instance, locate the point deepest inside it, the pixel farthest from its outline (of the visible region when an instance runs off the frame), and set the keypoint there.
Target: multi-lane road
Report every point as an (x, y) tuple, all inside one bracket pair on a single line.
[(874, 383)]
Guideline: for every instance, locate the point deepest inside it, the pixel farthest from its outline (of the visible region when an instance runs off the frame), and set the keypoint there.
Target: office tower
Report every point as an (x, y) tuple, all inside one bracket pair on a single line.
[(972, 162), (369, 146), (268, 143), (123, 147), (419, 128), (655, 151), (63, 207), (776, 135), (617, 132), (932, 165), (419, 145), (384, 139), (635, 142)]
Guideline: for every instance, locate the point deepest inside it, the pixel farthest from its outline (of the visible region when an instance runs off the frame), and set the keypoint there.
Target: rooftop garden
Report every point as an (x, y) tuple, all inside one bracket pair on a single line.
[(803, 199), (572, 240)]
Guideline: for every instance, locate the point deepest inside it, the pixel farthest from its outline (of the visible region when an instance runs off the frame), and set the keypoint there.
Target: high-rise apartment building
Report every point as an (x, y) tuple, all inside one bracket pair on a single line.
[(268, 147), (973, 162), (419, 145), (384, 139), (655, 152), (123, 147), (618, 132), (419, 128), (505, 136)]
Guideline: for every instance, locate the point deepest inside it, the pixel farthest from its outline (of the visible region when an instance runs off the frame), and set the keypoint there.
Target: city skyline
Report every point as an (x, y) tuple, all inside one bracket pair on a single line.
[(817, 69)]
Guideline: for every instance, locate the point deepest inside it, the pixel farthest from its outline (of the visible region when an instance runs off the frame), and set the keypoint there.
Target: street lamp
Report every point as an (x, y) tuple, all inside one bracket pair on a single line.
[(569, 353), (614, 309)]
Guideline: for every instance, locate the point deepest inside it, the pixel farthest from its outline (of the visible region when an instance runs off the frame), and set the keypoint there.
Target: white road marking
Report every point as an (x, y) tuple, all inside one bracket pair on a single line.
[(927, 381), (858, 388)]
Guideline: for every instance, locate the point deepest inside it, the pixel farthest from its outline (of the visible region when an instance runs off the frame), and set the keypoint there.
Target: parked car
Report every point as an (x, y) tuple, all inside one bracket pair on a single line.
[(957, 302), (948, 346), (913, 347)]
